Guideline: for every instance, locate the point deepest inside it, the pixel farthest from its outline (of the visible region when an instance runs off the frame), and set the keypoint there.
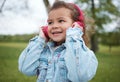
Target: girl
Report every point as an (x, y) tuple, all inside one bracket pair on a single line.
[(62, 56)]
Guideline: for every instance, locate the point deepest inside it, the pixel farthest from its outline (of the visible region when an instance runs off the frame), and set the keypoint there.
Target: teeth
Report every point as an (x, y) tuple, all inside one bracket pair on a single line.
[(56, 32)]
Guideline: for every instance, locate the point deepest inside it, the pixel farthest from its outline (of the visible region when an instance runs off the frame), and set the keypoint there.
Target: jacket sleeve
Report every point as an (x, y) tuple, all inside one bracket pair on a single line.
[(29, 58), (80, 60)]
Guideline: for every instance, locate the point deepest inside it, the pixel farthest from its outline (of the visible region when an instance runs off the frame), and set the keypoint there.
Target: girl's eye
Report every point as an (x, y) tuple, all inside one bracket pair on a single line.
[(61, 21), (49, 23)]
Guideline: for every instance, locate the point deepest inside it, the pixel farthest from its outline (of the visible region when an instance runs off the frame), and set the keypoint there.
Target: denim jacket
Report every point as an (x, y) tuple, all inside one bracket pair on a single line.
[(72, 61)]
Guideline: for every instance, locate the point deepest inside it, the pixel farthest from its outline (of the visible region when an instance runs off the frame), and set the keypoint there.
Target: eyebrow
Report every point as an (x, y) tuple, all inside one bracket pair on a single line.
[(61, 18), (57, 18)]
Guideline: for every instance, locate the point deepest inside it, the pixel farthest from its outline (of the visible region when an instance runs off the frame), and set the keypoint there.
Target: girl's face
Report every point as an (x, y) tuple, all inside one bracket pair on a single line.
[(59, 20)]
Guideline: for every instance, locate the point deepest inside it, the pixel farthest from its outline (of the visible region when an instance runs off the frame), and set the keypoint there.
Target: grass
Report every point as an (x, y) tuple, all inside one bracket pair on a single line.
[(109, 65), (108, 69), (9, 53)]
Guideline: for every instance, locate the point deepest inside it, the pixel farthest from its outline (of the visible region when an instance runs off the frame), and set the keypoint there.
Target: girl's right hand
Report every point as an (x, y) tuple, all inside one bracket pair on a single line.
[(41, 33)]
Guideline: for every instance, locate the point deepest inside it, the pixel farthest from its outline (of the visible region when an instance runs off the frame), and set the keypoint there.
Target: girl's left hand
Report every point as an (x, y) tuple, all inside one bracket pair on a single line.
[(75, 24)]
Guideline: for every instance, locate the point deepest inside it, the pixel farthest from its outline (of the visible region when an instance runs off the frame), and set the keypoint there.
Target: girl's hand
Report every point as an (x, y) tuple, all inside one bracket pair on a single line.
[(76, 24), (41, 33)]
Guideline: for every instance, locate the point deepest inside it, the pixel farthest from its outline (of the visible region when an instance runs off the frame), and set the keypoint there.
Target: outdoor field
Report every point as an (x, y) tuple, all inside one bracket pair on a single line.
[(108, 69)]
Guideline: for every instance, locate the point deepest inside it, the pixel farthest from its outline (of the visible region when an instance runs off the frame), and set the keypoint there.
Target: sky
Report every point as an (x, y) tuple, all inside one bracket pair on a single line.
[(22, 21), (16, 19)]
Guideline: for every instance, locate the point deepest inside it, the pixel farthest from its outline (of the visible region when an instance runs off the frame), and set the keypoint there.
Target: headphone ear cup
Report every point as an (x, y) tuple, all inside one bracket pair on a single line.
[(81, 16), (45, 31), (81, 24)]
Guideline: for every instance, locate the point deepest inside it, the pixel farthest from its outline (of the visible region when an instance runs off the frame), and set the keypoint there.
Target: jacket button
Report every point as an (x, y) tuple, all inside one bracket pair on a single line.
[(48, 80), (77, 60), (49, 62)]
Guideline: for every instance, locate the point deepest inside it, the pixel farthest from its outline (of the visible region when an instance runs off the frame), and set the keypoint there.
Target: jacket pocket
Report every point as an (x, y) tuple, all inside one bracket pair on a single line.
[(42, 70), (62, 70), (42, 75)]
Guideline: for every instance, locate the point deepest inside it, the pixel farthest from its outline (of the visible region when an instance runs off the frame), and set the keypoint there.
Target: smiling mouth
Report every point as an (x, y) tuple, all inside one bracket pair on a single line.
[(56, 33)]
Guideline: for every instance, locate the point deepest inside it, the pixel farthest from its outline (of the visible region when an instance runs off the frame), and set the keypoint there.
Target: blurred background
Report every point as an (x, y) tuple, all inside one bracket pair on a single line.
[(20, 21)]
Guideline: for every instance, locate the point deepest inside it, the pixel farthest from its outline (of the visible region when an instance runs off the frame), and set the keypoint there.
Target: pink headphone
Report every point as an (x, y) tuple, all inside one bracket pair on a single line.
[(81, 17)]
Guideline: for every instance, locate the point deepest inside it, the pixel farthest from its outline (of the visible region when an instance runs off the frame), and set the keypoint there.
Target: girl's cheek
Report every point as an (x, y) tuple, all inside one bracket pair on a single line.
[(68, 27)]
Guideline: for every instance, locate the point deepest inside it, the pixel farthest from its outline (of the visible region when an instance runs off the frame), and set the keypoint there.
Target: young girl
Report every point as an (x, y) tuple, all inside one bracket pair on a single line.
[(62, 56)]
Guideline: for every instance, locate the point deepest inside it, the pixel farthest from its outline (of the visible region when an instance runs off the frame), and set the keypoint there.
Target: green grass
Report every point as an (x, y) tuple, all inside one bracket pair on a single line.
[(109, 65), (9, 53), (108, 69)]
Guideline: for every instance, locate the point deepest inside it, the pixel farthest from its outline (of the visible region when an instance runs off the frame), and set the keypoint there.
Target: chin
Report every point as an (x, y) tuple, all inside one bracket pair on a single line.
[(58, 40)]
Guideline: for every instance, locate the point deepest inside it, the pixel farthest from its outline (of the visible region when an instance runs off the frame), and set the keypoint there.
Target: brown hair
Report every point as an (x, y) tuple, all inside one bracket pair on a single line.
[(75, 14), (59, 4)]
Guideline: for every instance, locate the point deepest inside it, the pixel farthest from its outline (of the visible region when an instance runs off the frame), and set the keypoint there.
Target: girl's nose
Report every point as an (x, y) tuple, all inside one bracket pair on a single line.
[(55, 25)]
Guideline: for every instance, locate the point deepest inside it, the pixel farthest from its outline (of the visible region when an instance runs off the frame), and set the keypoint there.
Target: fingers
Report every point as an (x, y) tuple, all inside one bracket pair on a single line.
[(41, 34), (77, 24)]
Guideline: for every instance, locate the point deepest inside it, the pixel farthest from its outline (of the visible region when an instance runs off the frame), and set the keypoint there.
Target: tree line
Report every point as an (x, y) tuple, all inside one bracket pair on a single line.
[(16, 38), (106, 38), (110, 38)]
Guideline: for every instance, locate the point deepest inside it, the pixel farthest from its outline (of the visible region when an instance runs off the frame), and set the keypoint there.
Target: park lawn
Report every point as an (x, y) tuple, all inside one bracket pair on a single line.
[(108, 68), (109, 65), (9, 53)]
